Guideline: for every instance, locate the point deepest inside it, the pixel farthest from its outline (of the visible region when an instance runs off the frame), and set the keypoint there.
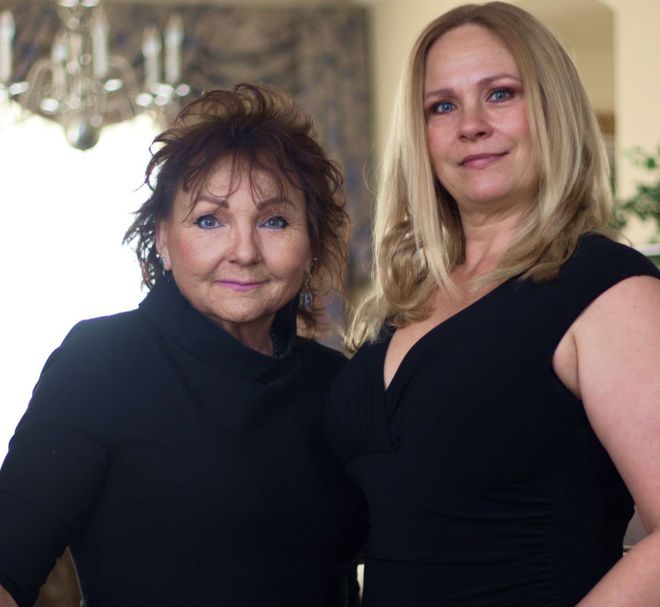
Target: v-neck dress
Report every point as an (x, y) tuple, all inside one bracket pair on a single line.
[(182, 468), (486, 485)]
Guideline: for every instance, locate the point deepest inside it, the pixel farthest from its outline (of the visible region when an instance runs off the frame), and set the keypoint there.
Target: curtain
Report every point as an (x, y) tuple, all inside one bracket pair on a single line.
[(317, 54)]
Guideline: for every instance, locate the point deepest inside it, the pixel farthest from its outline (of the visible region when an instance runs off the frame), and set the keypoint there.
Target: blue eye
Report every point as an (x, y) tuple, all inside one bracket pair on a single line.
[(207, 222), (502, 94), (443, 107), (275, 223)]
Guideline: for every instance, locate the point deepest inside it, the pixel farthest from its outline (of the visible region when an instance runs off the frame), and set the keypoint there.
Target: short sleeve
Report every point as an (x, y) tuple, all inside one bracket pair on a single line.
[(598, 264)]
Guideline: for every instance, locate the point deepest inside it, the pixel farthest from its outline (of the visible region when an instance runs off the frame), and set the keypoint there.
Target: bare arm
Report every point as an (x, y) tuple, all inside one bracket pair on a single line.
[(617, 342), (5, 599)]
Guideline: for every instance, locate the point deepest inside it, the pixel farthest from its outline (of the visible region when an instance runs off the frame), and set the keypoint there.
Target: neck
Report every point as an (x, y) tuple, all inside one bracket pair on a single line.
[(255, 335), (487, 236)]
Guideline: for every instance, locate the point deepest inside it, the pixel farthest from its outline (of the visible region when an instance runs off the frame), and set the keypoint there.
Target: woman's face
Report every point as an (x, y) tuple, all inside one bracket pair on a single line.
[(476, 122), (237, 253)]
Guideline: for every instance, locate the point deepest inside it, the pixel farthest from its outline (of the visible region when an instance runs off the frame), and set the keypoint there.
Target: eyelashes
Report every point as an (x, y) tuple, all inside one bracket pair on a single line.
[(442, 107), (210, 222), (275, 223), (501, 94), (496, 95), (207, 222)]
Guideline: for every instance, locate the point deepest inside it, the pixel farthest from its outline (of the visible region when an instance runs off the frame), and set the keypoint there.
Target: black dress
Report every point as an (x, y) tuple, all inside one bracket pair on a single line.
[(485, 483), (183, 468)]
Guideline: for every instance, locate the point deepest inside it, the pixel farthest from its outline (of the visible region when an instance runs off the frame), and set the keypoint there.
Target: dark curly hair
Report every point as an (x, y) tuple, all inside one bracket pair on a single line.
[(261, 127)]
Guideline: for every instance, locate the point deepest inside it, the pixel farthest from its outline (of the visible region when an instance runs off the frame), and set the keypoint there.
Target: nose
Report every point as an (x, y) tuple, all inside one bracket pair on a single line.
[(244, 247), (474, 123)]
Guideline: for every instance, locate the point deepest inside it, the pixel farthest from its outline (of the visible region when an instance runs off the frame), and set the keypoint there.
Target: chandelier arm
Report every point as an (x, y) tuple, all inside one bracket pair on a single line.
[(84, 88), (33, 97)]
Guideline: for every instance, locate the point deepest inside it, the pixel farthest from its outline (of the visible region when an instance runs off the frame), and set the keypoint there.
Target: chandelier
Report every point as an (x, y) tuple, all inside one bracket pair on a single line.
[(82, 85)]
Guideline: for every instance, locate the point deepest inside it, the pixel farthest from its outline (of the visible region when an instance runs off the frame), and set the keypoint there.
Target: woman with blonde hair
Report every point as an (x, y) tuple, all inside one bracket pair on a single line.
[(501, 414)]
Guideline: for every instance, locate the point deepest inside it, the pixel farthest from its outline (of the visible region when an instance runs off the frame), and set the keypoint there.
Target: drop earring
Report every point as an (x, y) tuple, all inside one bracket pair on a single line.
[(306, 297), (162, 260)]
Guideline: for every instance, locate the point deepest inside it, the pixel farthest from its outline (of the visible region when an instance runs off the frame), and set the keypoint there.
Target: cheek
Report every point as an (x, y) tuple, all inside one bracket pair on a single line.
[(437, 148), (520, 127), (291, 259), (190, 253)]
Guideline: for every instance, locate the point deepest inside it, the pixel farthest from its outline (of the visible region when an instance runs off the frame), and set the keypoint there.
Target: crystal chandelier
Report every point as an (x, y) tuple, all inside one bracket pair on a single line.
[(82, 85)]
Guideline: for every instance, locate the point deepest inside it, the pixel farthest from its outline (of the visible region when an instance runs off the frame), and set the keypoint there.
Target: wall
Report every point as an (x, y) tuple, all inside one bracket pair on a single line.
[(395, 25), (637, 91)]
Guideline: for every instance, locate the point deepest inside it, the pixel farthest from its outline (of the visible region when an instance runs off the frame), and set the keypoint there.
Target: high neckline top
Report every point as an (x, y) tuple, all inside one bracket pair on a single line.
[(181, 467), (168, 310)]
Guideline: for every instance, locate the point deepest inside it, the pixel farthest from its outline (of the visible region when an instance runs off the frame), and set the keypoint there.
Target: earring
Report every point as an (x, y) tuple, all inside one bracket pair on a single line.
[(306, 297), (162, 260)]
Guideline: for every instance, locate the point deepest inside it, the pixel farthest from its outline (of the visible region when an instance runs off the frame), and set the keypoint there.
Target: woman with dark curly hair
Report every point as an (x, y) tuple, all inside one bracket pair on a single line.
[(177, 448)]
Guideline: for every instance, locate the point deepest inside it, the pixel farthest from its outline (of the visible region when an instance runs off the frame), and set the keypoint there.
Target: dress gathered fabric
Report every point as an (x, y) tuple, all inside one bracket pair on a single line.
[(181, 467), (486, 485)]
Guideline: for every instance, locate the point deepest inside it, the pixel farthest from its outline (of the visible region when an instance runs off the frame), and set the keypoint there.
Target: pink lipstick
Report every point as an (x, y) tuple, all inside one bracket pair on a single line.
[(239, 286), (480, 161)]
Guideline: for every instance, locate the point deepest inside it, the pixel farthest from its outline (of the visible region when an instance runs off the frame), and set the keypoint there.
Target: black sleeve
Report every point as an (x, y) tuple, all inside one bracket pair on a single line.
[(55, 468), (597, 265)]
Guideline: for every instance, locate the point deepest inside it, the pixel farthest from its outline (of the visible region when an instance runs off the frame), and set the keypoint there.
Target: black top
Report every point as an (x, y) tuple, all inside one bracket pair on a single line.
[(485, 483), (182, 468)]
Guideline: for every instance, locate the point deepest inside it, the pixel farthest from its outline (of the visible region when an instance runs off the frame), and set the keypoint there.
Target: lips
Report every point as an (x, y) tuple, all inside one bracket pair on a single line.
[(480, 161), (240, 285)]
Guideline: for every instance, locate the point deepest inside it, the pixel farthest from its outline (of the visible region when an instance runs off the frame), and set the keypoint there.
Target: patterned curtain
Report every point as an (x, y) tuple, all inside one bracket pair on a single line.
[(318, 54)]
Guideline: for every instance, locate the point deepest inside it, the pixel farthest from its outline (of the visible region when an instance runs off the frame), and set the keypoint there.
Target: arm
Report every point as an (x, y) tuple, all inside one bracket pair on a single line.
[(5, 599), (617, 346), (55, 468), (49, 485)]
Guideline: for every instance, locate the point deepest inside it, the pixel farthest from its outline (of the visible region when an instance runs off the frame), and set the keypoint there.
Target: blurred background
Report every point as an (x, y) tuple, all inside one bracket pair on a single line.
[(85, 86)]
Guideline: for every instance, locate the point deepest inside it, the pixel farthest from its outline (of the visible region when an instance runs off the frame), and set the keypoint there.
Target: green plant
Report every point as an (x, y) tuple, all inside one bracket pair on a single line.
[(645, 202)]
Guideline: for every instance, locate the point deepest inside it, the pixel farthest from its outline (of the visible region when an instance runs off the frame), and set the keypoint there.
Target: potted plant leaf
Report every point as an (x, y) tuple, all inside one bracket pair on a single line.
[(645, 201)]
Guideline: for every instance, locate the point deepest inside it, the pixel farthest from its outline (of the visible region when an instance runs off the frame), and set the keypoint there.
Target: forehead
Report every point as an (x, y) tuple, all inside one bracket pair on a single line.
[(469, 51), (241, 178), (230, 174)]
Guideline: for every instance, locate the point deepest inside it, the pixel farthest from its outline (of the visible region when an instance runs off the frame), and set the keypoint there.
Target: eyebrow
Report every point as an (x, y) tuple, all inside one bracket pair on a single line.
[(223, 201), (483, 82), (220, 201), (275, 201)]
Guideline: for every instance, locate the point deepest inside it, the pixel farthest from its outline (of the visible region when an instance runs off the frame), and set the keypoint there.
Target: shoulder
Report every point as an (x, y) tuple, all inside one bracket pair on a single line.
[(82, 366), (599, 256), (319, 357), (103, 327), (91, 337), (320, 352), (626, 277), (362, 368), (597, 264)]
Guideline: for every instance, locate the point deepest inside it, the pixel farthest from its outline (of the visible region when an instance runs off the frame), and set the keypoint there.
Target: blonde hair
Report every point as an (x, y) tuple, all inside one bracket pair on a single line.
[(418, 236)]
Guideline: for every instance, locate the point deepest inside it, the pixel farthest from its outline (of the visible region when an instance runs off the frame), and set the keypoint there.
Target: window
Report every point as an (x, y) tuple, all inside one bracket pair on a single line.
[(64, 213)]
